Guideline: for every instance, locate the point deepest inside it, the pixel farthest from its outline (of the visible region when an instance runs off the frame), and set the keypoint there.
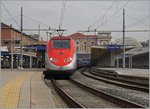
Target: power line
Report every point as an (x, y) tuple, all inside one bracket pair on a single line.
[(113, 14), (10, 15), (113, 31), (111, 19), (36, 21), (62, 13), (103, 14), (10, 18), (137, 20)]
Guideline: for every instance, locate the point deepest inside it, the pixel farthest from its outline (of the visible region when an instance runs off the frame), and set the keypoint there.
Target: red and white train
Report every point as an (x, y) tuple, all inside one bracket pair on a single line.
[(60, 56)]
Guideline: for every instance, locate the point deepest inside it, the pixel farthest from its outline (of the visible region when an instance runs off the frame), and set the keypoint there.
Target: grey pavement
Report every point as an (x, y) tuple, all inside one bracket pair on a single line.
[(34, 93)]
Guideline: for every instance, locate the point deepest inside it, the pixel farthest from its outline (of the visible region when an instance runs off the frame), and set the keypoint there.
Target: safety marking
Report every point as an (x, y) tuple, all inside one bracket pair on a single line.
[(10, 92)]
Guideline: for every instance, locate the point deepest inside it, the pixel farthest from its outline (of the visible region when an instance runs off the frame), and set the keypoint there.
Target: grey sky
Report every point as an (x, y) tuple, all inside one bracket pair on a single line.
[(79, 15)]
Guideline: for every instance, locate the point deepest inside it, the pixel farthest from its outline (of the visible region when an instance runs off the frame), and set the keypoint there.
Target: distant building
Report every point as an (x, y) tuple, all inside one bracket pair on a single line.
[(128, 41), (104, 38), (35, 36), (8, 33), (11, 38), (145, 44), (138, 57), (85, 42)]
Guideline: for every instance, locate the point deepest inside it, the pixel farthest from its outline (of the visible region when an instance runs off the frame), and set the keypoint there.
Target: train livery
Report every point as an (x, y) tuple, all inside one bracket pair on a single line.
[(60, 56)]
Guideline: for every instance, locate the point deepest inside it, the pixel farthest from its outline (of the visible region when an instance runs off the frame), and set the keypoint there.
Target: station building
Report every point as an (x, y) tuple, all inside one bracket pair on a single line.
[(136, 55), (85, 42), (10, 44)]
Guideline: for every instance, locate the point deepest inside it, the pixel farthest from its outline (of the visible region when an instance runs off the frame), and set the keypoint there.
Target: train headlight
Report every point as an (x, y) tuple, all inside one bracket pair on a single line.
[(52, 59), (68, 59)]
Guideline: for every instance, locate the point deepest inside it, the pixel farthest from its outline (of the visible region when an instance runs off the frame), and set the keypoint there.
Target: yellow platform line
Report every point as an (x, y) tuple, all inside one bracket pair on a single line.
[(10, 92)]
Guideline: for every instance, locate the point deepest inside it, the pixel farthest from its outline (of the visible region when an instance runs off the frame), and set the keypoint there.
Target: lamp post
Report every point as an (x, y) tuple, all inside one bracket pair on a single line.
[(124, 39), (12, 65), (21, 29), (30, 56), (47, 35)]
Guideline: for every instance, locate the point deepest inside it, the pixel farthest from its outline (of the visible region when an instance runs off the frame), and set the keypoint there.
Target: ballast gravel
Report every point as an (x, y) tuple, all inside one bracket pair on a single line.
[(132, 95)]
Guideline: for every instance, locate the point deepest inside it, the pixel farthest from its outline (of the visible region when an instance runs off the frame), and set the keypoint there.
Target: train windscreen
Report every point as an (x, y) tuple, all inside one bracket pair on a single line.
[(61, 43)]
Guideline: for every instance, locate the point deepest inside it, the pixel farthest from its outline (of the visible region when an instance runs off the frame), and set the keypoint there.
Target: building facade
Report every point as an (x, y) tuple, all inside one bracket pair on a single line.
[(11, 38), (85, 42)]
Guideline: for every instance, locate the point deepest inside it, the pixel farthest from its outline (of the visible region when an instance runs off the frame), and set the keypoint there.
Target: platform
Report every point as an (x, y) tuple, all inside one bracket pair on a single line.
[(24, 89), (131, 71)]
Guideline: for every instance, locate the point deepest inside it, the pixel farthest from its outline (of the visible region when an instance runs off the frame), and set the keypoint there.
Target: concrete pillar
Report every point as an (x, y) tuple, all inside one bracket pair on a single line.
[(4, 60), (9, 62), (31, 62), (15, 61), (117, 61), (112, 59), (131, 60)]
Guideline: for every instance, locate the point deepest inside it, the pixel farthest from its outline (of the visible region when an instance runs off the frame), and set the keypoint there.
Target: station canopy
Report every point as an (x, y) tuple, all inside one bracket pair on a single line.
[(99, 51), (37, 47), (4, 51), (34, 47)]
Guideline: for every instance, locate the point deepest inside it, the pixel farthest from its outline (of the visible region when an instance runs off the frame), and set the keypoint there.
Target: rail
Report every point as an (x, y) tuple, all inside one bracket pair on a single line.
[(117, 100), (129, 86), (67, 98)]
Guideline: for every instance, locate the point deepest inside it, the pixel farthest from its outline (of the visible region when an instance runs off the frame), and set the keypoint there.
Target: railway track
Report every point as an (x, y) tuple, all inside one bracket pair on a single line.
[(115, 77), (134, 80), (108, 98), (66, 97), (116, 100), (117, 82)]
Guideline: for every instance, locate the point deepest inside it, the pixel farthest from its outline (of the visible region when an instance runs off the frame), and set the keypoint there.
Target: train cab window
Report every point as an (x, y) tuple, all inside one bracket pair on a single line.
[(61, 43)]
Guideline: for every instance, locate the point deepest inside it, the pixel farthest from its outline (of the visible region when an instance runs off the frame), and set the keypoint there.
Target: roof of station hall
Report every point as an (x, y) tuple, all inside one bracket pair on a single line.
[(80, 35)]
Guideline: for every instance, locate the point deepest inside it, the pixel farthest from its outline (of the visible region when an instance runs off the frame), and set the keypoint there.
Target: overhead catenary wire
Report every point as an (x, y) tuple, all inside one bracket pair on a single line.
[(10, 14), (37, 21), (103, 14), (112, 15), (62, 13), (4, 20), (141, 21), (113, 18)]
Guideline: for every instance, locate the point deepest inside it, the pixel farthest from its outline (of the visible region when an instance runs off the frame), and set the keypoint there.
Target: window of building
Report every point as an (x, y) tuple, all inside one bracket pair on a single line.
[(77, 48), (5, 42), (84, 48), (17, 42)]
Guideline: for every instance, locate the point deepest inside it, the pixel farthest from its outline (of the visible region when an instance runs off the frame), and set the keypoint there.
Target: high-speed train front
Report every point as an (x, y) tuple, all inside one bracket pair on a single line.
[(60, 56)]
